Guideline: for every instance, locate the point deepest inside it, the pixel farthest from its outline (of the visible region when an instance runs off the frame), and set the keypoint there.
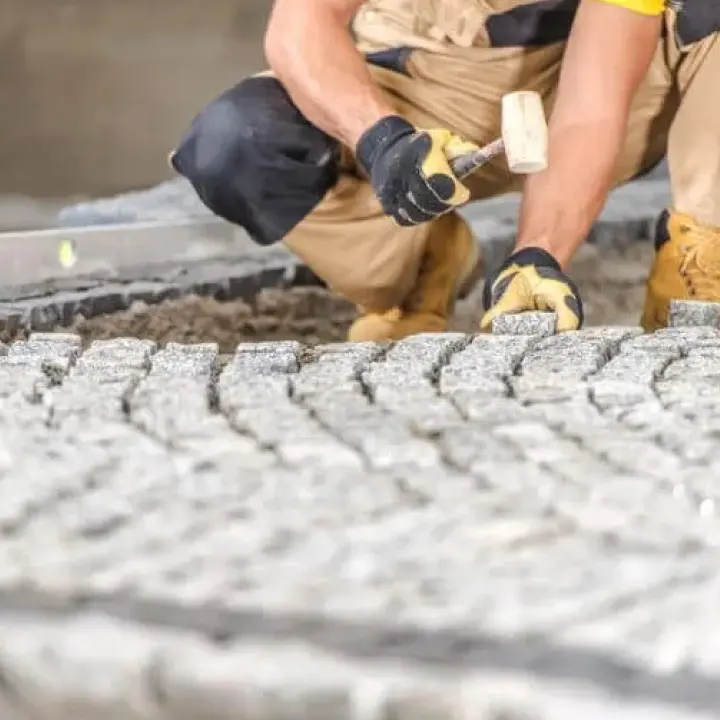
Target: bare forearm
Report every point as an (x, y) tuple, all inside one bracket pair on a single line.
[(560, 205), (605, 62), (311, 51)]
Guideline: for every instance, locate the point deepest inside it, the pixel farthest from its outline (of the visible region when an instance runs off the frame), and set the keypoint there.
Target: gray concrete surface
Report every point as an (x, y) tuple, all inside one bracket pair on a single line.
[(450, 527)]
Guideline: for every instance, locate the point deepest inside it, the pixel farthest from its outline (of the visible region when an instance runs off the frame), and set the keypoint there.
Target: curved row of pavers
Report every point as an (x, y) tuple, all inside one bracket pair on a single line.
[(516, 525)]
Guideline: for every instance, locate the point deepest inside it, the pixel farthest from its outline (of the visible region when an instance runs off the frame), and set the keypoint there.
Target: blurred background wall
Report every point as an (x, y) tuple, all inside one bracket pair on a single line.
[(94, 93)]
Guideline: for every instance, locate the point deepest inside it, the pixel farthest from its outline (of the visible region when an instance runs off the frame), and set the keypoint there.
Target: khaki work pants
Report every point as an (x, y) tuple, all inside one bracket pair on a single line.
[(364, 256)]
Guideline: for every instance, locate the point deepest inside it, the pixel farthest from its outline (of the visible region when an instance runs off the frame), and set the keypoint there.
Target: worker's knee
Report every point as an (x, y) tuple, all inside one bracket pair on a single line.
[(255, 161)]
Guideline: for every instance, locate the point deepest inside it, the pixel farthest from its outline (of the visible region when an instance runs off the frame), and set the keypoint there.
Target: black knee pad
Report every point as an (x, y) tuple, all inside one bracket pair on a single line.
[(697, 19), (255, 161)]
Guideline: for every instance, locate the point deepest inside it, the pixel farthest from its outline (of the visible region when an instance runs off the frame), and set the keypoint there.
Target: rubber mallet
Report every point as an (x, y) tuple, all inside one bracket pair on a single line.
[(524, 138)]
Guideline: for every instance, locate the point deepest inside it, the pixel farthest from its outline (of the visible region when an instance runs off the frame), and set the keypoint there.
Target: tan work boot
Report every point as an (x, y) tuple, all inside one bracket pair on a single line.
[(451, 267), (686, 267)]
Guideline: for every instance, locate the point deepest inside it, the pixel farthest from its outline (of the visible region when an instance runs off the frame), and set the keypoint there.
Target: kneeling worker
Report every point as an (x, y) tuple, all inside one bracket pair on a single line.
[(340, 150)]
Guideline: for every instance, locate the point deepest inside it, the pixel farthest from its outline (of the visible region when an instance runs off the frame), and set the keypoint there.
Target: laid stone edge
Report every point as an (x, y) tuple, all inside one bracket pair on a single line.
[(44, 308), (682, 314), (95, 666)]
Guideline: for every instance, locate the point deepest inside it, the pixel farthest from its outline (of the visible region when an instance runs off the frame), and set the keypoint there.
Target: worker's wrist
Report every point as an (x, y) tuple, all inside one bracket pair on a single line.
[(536, 256), (560, 253), (379, 137)]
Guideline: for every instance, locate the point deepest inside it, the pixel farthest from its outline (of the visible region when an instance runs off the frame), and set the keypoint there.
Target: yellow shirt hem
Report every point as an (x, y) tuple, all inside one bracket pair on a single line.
[(646, 7)]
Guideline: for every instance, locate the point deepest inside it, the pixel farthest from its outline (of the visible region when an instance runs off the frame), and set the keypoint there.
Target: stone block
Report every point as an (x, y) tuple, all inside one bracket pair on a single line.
[(691, 313), (527, 323)]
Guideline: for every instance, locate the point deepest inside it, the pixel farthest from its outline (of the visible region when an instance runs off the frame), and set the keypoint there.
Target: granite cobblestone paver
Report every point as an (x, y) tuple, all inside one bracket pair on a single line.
[(512, 525)]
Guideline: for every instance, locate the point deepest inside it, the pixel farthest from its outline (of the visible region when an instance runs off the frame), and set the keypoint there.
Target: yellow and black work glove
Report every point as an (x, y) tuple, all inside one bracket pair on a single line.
[(531, 279), (410, 171)]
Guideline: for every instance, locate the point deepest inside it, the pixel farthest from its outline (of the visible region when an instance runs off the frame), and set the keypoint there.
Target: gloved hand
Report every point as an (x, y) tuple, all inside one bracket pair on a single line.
[(410, 171), (531, 279)]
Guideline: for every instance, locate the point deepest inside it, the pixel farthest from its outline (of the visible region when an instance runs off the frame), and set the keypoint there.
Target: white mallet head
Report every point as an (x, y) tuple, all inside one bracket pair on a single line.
[(524, 132)]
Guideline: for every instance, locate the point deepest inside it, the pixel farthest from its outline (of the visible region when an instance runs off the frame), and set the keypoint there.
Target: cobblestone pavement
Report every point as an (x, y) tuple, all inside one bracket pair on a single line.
[(511, 526)]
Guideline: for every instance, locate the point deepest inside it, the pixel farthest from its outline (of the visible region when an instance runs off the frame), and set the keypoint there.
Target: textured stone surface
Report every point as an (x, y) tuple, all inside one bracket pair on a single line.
[(526, 323), (517, 526), (685, 313)]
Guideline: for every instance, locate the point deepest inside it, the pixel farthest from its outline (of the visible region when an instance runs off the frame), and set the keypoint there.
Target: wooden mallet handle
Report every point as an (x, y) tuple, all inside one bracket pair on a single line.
[(467, 164)]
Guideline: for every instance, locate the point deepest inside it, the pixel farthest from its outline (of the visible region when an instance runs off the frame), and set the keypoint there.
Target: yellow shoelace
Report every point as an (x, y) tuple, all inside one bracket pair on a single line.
[(700, 264)]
